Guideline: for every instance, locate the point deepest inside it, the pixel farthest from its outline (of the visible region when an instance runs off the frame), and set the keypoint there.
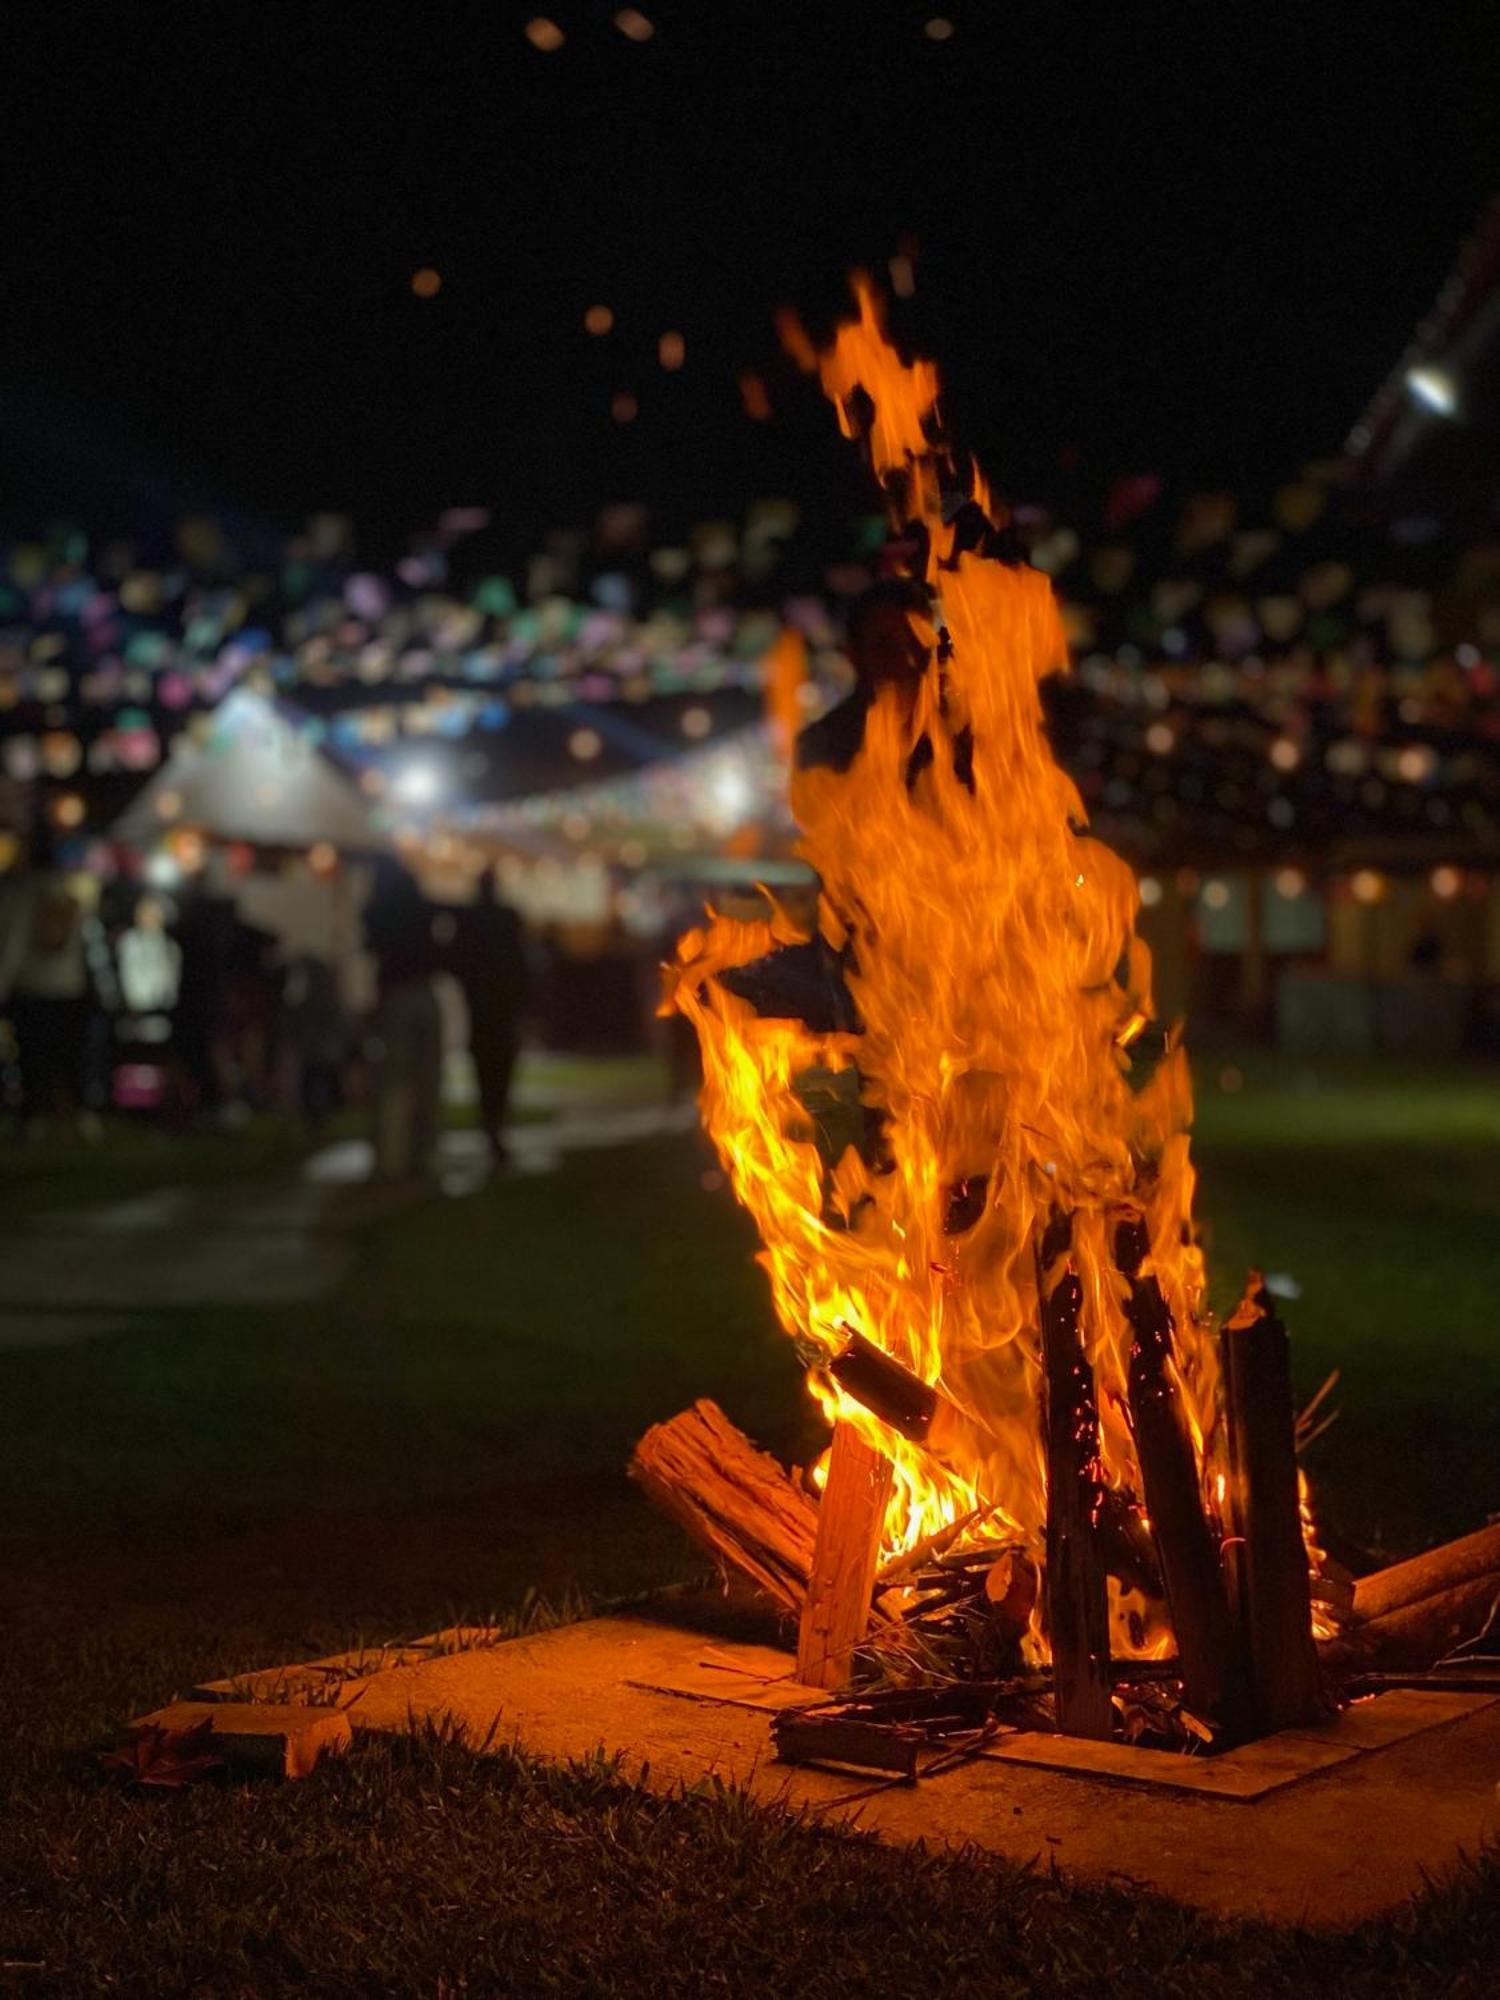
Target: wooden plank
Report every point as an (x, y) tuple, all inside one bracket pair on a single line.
[(811, 1738), (1077, 1588), (850, 1516), (1276, 1605)]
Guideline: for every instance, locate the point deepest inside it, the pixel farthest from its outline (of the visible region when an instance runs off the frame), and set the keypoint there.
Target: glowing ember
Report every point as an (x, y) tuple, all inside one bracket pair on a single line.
[(969, 1043)]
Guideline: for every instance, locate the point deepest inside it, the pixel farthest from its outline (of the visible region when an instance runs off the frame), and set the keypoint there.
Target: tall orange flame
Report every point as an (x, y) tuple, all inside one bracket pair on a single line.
[(900, 1164)]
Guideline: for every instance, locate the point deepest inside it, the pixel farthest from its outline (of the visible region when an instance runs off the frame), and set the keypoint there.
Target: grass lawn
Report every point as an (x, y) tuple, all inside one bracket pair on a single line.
[(223, 1490)]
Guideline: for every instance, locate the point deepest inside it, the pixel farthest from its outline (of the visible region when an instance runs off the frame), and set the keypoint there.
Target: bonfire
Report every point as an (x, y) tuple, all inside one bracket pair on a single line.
[(963, 1133)]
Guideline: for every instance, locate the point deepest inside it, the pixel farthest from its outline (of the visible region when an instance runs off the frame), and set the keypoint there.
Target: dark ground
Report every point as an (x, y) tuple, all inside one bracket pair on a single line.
[(444, 1437)]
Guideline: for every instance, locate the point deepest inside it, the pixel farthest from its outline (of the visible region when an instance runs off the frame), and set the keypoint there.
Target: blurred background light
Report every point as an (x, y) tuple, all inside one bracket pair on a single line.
[(418, 784), (1434, 389)]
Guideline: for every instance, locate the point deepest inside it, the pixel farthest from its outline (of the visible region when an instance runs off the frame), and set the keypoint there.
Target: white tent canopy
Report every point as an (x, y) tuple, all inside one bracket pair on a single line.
[(253, 778)]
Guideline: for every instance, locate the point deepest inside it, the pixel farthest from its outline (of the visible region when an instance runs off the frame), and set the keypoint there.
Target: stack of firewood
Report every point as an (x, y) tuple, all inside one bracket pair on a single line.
[(931, 1645)]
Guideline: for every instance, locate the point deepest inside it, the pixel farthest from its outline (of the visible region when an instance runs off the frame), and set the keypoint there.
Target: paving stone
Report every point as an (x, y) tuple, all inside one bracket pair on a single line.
[(273, 1739)]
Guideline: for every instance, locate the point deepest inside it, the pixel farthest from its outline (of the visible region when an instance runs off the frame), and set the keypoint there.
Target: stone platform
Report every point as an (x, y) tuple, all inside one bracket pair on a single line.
[(1326, 1825)]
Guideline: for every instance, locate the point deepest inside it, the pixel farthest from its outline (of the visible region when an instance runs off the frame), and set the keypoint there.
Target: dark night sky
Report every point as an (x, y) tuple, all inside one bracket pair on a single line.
[(1187, 238)]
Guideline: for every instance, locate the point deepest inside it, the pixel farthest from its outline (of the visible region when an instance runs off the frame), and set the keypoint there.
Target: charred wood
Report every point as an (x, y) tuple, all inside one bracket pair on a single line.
[(1197, 1599), (1266, 1515), (1077, 1596)]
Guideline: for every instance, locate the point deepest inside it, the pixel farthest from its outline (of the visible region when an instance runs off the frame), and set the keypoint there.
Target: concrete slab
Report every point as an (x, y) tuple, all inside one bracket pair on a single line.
[(1356, 1833)]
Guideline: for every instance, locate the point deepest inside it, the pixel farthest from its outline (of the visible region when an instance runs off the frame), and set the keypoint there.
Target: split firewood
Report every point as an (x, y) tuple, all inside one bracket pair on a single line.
[(851, 1515), (1473, 1559), (1077, 1596), (734, 1500), (1197, 1598), (1413, 1613), (1265, 1512)]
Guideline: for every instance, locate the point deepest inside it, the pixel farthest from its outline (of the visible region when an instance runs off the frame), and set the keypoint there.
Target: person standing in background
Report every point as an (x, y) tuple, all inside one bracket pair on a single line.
[(46, 989), (408, 1025), (489, 961), (316, 1035)]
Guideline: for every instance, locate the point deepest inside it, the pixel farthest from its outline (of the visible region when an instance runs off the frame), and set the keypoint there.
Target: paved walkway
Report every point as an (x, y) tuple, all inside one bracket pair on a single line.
[(81, 1273)]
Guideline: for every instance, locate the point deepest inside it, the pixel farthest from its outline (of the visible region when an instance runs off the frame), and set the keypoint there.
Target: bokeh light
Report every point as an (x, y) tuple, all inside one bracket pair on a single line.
[(1445, 883)]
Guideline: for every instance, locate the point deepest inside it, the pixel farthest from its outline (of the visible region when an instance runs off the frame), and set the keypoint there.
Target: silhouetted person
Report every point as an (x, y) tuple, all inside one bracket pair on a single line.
[(46, 988), (408, 1027), (205, 937), (490, 962), (316, 1032)]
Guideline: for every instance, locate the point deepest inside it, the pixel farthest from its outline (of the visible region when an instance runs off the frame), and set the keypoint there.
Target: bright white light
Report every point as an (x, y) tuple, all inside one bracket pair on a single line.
[(731, 793), (418, 785), (162, 872), (1434, 389)]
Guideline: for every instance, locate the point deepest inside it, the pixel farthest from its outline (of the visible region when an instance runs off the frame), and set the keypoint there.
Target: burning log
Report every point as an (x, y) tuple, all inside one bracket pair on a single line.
[(1276, 1605), (734, 1500), (1077, 1589), (836, 1614), (1196, 1596), (887, 1389), (1129, 1550)]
